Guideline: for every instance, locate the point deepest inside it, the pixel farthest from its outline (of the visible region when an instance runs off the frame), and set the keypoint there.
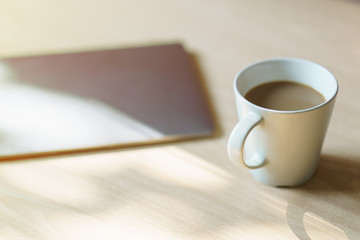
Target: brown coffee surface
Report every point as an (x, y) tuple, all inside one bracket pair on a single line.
[(284, 95)]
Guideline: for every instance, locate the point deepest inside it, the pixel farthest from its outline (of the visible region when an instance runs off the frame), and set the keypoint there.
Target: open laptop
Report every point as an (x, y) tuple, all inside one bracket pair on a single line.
[(101, 99)]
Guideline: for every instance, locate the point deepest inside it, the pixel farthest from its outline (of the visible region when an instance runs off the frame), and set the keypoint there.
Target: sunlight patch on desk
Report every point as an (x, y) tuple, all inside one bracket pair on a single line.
[(254, 230), (319, 229), (164, 191), (182, 168), (78, 179), (40, 181), (112, 226), (274, 203), (91, 196)]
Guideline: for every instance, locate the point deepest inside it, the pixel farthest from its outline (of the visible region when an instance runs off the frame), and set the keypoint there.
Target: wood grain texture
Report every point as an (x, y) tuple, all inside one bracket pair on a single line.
[(188, 190)]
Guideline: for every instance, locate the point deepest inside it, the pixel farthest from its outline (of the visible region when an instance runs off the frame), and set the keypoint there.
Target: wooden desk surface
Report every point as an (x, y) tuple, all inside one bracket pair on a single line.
[(189, 190)]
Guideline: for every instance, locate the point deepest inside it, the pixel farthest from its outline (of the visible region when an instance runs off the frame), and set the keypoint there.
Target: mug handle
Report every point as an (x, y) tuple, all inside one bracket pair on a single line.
[(237, 141)]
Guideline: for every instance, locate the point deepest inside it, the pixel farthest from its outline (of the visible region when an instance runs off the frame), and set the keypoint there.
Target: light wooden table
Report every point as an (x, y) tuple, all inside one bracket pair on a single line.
[(188, 190)]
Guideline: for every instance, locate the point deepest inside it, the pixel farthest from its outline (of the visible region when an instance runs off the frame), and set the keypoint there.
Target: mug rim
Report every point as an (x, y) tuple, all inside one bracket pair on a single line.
[(285, 59)]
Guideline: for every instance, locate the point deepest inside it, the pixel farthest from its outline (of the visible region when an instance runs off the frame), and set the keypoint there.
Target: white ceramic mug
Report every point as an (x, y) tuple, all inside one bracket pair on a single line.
[(281, 148)]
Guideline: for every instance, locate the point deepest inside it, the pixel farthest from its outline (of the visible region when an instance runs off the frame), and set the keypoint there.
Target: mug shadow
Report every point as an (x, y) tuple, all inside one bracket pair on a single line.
[(335, 186)]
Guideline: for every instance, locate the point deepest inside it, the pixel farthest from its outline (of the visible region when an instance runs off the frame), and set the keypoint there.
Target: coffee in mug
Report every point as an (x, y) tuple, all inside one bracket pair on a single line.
[(284, 95)]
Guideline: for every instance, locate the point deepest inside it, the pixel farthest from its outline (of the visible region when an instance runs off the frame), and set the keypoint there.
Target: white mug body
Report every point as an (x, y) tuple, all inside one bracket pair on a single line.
[(289, 142)]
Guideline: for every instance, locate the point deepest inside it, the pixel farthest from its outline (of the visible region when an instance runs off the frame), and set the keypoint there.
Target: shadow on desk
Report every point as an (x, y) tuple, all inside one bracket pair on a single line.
[(336, 188)]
